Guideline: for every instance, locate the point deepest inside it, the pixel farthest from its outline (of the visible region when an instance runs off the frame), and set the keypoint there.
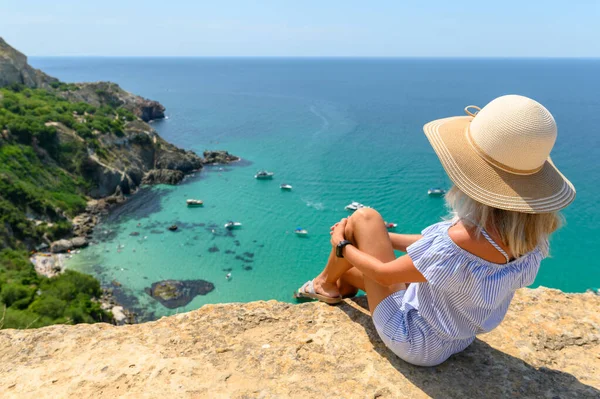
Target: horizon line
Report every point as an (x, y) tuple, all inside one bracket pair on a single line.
[(322, 56)]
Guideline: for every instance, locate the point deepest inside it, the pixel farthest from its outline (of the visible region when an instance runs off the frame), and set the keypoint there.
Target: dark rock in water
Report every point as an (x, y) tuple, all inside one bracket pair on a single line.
[(173, 227), (163, 176), (145, 278), (229, 251), (115, 283), (253, 240), (134, 233), (239, 257), (156, 232), (227, 269), (176, 293), (248, 260), (221, 157), (247, 267), (236, 243), (248, 254), (261, 246), (213, 249)]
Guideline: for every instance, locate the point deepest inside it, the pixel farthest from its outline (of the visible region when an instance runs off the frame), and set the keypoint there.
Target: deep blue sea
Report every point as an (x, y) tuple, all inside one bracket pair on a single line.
[(338, 130)]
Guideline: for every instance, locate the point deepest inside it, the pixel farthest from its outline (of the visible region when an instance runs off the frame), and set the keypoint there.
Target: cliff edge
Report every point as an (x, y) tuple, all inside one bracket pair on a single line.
[(547, 347)]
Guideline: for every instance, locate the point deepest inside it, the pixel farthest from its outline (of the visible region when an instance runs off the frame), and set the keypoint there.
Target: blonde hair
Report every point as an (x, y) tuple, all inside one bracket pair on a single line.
[(520, 232)]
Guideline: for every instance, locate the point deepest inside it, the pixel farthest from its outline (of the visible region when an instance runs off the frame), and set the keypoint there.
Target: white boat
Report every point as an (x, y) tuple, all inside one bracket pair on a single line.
[(300, 231), (436, 192), (194, 202), (354, 206), (390, 225), (263, 175), (232, 225), (284, 186)]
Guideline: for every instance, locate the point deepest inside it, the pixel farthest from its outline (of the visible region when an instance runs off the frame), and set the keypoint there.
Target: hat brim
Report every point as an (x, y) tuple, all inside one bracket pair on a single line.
[(547, 190)]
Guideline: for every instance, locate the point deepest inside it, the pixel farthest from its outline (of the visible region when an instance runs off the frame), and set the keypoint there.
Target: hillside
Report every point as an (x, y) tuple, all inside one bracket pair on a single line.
[(62, 145), (547, 347)]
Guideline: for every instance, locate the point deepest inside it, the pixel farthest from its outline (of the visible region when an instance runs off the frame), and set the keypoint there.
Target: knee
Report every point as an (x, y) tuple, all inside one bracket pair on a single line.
[(361, 217), (365, 215)]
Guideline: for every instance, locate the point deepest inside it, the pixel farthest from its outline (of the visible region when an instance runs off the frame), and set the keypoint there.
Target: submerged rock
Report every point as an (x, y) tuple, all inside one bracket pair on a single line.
[(176, 293)]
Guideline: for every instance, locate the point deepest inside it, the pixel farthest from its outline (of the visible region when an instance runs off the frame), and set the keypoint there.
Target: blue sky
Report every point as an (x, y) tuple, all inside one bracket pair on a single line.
[(434, 28)]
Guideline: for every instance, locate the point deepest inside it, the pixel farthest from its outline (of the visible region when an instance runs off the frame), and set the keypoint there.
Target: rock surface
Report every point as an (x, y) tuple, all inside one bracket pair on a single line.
[(219, 157), (15, 69), (61, 246), (103, 93), (163, 176), (547, 347)]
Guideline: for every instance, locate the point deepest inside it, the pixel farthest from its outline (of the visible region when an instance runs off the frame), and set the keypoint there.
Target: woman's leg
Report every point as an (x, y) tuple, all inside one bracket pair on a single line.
[(365, 228)]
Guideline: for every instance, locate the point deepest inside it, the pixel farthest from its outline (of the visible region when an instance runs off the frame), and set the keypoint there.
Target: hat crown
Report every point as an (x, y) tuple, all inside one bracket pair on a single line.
[(514, 133)]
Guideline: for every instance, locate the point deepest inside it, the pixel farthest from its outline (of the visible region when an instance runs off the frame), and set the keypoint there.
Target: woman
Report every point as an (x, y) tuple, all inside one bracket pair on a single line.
[(459, 276)]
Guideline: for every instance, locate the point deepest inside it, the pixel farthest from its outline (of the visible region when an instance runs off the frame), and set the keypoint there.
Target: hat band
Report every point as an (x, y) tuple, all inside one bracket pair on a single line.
[(495, 163)]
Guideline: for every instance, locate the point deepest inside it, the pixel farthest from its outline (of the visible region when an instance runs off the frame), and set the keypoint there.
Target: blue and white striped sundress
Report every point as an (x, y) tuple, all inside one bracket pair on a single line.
[(464, 296)]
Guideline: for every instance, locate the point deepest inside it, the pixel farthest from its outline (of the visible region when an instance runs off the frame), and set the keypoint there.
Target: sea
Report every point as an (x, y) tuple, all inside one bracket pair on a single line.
[(338, 130)]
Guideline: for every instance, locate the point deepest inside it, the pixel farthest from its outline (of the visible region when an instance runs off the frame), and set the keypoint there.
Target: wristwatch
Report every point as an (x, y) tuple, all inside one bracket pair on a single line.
[(340, 247)]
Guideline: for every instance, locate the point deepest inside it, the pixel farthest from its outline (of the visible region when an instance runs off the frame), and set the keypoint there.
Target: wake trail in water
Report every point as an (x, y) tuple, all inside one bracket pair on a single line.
[(325, 121)]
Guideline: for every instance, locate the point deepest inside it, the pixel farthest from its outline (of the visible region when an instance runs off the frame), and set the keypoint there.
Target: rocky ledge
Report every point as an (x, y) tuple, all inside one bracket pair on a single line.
[(547, 347), (219, 157)]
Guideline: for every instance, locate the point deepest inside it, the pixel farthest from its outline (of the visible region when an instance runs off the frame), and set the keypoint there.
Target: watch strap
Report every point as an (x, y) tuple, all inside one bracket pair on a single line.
[(340, 247)]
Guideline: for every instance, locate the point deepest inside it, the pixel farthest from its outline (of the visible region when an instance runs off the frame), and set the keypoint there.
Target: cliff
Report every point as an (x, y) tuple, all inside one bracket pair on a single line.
[(14, 69), (547, 347), (62, 144)]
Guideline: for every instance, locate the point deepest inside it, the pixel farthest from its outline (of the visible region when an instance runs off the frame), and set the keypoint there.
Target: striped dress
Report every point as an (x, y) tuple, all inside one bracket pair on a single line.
[(464, 296)]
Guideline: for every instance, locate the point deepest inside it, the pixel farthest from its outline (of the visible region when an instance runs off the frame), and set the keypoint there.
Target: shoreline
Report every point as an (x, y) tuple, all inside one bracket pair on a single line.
[(51, 264)]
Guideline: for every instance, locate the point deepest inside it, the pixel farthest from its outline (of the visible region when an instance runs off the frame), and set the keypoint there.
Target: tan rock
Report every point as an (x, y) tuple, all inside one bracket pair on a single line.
[(547, 347)]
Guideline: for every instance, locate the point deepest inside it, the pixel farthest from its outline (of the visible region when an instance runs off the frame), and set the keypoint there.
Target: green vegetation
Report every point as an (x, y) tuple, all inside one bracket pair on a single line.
[(28, 300), (44, 170)]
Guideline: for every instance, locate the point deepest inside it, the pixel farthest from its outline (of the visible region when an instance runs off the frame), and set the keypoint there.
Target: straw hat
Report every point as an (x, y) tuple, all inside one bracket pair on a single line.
[(500, 155)]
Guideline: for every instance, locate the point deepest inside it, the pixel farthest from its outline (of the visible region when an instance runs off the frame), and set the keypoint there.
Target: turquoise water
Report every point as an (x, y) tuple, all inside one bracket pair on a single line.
[(338, 130)]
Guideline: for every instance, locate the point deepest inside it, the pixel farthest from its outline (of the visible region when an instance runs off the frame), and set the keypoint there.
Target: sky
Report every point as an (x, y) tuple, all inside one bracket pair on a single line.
[(351, 28)]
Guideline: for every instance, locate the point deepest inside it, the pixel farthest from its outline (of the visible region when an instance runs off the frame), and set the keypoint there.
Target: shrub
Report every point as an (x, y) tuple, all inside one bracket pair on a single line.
[(48, 306), (12, 293)]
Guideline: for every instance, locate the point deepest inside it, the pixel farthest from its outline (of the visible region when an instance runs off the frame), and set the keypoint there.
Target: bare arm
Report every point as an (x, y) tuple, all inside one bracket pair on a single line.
[(401, 241), (400, 270)]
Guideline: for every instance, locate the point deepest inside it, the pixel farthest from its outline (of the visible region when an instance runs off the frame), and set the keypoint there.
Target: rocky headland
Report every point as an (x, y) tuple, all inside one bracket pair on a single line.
[(547, 347), (68, 153)]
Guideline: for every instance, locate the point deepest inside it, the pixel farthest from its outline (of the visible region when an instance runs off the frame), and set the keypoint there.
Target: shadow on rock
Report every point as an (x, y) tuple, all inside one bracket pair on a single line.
[(480, 371)]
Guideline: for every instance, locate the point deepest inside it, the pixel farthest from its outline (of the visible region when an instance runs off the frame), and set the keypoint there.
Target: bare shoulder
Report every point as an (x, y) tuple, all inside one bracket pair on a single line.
[(460, 235), (468, 240)]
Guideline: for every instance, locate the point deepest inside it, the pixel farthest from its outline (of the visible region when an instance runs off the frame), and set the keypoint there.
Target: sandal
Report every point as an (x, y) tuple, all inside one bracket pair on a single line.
[(307, 291)]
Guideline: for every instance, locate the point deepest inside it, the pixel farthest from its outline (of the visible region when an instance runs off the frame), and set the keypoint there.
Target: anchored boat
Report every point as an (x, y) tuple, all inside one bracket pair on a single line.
[(354, 206), (232, 225), (436, 192), (194, 202), (263, 175), (301, 232)]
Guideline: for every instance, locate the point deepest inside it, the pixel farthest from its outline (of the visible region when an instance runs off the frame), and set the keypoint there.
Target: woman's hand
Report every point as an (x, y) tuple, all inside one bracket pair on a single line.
[(337, 232)]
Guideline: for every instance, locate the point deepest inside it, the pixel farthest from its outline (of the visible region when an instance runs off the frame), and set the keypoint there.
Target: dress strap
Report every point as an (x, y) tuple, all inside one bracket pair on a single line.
[(487, 237)]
